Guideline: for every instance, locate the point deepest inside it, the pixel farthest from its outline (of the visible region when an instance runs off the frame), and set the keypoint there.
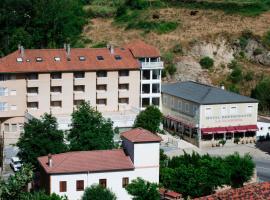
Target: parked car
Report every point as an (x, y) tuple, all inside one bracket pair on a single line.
[(15, 164)]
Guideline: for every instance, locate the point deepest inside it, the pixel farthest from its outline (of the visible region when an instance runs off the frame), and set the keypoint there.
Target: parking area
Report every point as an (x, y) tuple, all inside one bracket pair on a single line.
[(9, 152)]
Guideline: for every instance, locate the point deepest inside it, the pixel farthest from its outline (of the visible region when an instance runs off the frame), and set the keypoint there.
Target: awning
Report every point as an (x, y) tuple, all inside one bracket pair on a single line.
[(179, 121), (219, 130)]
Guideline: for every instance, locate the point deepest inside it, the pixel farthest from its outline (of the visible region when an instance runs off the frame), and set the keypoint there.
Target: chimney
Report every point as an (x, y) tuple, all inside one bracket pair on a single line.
[(68, 52), (111, 49), (21, 50), (65, 46), (50, 162), (222, 87)]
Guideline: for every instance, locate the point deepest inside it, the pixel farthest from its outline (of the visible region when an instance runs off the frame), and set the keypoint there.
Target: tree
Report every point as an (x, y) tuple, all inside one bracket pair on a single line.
[(142, 190), (13, 187), (97, 192), (149, 119), (240, 169), (40, 23), (89, 130), (262, 93), (40, 137), (41, 195)]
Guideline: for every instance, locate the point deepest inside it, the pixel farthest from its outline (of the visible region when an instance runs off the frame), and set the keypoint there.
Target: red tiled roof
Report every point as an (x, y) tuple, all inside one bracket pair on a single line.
[(87, 161), (140, 49), (169, 193), (256, 191), (139, 135), (9, 63)]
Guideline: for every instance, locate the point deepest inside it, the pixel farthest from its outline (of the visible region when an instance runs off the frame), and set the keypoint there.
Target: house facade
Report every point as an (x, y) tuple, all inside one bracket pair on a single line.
[(70, 173), (204, 115), (118, 82)]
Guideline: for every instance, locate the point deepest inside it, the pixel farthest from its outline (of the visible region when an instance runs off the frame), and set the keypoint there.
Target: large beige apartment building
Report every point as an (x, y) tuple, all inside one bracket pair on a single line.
[(118, 82)]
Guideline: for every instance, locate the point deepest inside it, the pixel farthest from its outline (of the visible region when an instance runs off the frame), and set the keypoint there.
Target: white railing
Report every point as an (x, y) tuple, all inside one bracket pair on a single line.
[(152, 65)]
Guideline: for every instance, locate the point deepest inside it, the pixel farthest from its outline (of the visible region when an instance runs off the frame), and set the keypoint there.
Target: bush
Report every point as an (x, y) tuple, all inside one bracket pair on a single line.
[(233, 88), (206, 62), (177, 49), (171, 69), (236, 75), (249, 76), (101, 11), (233, 64), (236, 140), (257, 52), (266, 40)]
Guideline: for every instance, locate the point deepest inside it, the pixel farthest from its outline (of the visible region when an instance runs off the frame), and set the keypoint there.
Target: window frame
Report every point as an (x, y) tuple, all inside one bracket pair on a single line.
[(125, 182), (80, 185), (62, 186), (103, 182)]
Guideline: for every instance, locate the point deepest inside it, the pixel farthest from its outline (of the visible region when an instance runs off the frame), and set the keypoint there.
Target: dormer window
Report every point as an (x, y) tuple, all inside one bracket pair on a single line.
[(39, 59), (19, 59), (57, 59), (100, 58), (82, 58), (27, 60), (117, 57)]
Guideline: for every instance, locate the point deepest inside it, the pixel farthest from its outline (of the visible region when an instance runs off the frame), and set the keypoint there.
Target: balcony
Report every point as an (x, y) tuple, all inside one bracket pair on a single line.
[(32, 97), (79, 95), (124, 93), (56, 96), (32, 83), (102, 80), (124, 79), (101, 94), (56, 82), (152, 65), (79, 81)]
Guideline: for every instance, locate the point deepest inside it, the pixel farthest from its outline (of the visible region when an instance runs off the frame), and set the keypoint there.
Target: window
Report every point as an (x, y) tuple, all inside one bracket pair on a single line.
[(208, 111), (56, 75), (13, 127), (82, 58), (32, 76), (6, 127), (155, 101), (103, 182), (13, 107), (102, 87), (233, 110), (117, 57), (125, 182), (179, 105), (79, 74), (102, 101), (223, 110), (3, 91), (123, 86), (146, 75), (145, 102), (3, 106), (186, 107), (153, 59), (19, 59), (57, 59), (39, 59), (80, 185), (146, 88), (57, 104), (32, 105), (155, 88), (100, 58), (5, 77), (21, 127), (13, 92), (32, 90), (101, 74), (156, 74), (63, 186), (123, 73), (123, 100), (79, 88), (249, 109), (56, 89)]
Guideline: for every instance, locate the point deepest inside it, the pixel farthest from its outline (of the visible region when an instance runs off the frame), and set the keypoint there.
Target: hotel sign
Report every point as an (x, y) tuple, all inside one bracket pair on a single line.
[(228, 118)]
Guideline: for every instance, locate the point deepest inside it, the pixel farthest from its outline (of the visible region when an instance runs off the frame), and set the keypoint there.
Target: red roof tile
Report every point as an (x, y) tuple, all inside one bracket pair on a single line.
[(139, 135), (87, 161), (9, 63), (256, 191), (140, 49)]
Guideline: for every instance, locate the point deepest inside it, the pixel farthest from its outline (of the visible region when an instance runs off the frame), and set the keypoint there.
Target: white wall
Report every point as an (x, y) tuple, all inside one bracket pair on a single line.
[(264, 128), (146, 154)]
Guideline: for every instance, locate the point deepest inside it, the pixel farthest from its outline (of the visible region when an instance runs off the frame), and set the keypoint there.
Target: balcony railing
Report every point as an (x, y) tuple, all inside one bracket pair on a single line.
[(152, 65)]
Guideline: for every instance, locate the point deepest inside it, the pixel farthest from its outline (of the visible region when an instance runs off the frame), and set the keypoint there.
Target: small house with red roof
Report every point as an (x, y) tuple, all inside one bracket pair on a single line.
[(70, 173)]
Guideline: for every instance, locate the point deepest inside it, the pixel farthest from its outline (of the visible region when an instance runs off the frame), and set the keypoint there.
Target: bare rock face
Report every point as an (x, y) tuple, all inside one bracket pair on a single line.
[(189, 69)]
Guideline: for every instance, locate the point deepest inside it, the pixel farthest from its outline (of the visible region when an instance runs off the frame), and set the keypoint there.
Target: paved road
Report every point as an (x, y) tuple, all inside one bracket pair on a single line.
[(263, 169)]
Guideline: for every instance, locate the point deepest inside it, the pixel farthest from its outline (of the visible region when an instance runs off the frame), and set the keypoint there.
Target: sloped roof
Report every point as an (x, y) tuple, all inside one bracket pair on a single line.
[(140, 135), (140, 49), (9, 64), (87, 161), (256, 191), (204, 94)]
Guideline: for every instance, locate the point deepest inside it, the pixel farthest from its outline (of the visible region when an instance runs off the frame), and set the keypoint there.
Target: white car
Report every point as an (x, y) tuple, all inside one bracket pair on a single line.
[(15, 164)]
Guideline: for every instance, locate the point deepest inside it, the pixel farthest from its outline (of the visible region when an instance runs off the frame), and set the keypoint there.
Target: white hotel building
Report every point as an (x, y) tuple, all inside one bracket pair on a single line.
[(118, 82), (204, 115), (70, 173)]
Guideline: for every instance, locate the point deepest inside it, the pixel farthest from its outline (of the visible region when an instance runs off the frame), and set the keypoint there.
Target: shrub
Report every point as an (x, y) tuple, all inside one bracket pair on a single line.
[(233, 64), (206, 62), (97, 192), (249, 76), (236, 140), (177, 49), (257, 52), (233, 88), (101, 11), (171, 69), (236, 75), (222, 142), (266, 40)]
